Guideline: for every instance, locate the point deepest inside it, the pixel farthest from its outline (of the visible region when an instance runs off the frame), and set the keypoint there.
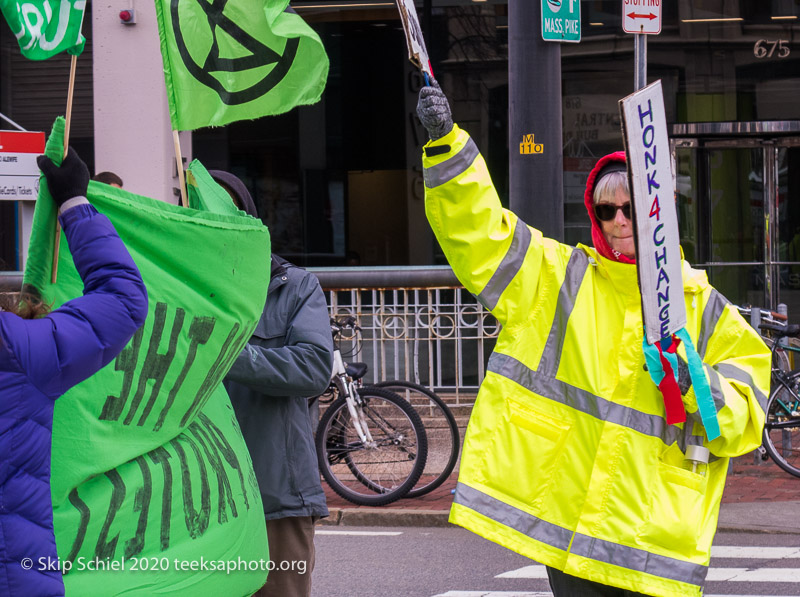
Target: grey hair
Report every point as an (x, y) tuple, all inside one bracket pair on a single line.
[(606, 187)]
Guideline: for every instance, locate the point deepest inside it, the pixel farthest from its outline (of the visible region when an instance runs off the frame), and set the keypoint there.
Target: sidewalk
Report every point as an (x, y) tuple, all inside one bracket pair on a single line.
[(748, 486)]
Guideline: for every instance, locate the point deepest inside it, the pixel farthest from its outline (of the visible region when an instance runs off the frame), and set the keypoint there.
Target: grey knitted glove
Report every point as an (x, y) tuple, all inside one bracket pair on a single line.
[(434, 111)]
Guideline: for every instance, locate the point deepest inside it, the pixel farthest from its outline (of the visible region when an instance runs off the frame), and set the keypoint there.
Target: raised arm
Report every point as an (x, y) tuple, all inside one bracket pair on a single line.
[(84, 334), (485, 244)]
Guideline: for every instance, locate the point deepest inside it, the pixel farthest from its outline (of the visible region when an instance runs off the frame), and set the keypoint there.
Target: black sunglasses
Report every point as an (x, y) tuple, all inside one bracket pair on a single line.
[(606, 212)]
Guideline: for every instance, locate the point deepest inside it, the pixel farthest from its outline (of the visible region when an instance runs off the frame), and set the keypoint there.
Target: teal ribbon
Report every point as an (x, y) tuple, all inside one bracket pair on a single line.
[(653, 360), (702, 389)]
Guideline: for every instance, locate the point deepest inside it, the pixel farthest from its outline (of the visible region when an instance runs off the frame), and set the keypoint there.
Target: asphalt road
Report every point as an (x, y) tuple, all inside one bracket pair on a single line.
[(452, 562)]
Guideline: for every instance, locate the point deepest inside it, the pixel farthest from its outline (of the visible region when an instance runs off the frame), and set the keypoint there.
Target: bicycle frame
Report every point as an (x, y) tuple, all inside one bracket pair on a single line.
[(347, 388), (787, 382), (782, 381)]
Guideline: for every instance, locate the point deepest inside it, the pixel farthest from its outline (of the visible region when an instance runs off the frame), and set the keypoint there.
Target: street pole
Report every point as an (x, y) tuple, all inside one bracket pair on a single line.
[(536, 185), (640, 60)]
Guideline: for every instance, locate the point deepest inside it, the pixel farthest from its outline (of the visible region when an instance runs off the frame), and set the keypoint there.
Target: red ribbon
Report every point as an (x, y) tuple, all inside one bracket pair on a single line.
[(673, 402)]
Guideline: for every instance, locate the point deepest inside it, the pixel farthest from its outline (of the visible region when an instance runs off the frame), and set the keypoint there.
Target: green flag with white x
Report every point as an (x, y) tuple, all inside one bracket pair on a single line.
[(44, 28)]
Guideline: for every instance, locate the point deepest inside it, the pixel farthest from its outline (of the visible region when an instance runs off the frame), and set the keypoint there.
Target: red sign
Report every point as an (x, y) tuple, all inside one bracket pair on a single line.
[(19, 173), (641, 16), (21, 142)]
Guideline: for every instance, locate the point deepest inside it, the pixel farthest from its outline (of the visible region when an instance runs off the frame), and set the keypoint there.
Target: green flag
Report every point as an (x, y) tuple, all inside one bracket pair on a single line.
[(231, 60), (45, 28), (153, 489)]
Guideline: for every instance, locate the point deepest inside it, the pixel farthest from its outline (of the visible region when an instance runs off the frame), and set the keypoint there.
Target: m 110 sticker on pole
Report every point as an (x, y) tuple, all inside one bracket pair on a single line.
[(19, 173), (658, 256)]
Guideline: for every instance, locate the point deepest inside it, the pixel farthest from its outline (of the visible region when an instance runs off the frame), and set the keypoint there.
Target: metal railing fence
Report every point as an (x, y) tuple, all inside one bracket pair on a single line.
[(417, 323)]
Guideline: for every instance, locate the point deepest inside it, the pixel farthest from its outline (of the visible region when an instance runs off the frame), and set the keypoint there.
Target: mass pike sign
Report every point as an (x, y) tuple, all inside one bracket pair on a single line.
[(658, 255)]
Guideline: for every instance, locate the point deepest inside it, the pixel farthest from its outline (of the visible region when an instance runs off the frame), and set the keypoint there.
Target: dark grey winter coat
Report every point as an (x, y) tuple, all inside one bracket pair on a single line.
[(288, 359)]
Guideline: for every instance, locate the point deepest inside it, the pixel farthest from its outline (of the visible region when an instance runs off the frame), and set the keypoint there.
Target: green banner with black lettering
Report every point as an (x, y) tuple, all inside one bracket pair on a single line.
[(153, 489)]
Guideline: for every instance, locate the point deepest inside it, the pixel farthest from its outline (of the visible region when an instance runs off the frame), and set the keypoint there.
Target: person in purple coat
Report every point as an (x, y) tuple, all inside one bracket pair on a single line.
[(41, 357)]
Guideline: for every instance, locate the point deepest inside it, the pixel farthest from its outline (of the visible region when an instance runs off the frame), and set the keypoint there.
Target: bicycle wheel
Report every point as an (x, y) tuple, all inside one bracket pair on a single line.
[(379, 472), (782, 429), (780, 358), (441, 428)]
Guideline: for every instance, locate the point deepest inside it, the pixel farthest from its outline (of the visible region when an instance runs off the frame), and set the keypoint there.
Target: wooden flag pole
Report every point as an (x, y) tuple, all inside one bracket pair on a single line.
[(70, 95), (179, 161)]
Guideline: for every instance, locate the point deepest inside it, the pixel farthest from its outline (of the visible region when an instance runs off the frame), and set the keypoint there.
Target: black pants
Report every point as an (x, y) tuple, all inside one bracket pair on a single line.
[(564, 585)]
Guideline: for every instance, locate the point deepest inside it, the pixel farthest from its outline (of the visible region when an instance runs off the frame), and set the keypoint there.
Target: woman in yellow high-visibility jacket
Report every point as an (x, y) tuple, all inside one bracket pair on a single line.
[(568, 458)]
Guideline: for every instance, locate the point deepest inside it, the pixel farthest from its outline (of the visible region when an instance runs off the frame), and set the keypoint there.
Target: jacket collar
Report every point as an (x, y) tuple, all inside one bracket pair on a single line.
[(278, 266), (622, 275)]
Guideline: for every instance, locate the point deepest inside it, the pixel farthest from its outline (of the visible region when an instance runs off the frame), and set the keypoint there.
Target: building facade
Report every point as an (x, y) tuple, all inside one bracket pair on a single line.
[(340, 182)]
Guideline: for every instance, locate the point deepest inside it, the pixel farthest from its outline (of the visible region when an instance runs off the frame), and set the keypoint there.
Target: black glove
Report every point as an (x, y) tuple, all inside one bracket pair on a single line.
[(69, 180), (434, 111)]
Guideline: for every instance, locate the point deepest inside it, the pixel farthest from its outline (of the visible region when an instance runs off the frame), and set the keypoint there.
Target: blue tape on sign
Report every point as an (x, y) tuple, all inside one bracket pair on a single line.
[(702, 389), (653, 360)]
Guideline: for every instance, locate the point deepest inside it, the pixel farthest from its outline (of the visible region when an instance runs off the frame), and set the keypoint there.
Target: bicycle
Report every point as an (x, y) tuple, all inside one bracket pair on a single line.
[(441, 427), (756, 316), (782, 424), (371, 444)]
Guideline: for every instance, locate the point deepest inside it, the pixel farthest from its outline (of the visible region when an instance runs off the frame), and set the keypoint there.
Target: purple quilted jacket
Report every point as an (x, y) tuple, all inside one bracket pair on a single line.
[(41, 359)]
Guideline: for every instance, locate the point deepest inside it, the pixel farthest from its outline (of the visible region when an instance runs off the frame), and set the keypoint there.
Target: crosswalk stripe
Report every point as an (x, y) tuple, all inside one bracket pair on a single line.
[(714, 574), (541, 594), (360, 533), (756, 575), (525, 572), (495, 594), (765, 553)]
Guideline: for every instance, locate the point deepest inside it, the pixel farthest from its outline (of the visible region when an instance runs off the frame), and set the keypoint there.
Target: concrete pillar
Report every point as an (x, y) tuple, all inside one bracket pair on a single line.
[(132, 131)]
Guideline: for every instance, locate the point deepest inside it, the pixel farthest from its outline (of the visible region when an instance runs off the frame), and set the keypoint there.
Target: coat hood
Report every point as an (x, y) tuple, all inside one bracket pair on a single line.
[(237, 187), (598, 238)]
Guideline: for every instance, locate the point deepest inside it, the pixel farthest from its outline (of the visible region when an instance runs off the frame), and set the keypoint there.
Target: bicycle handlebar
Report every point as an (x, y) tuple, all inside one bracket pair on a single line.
[(347, 323), (784, 331)]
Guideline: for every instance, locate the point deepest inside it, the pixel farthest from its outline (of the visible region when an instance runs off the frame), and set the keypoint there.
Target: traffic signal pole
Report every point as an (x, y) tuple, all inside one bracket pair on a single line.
[(536, 181), (640, 60)]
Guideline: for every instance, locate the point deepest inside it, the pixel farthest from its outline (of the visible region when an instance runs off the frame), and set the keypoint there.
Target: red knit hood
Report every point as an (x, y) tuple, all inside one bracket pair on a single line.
[(598, 238)]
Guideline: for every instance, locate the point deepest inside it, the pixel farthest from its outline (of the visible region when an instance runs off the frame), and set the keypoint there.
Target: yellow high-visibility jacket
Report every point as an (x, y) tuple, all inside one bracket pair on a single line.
[(567, 457)]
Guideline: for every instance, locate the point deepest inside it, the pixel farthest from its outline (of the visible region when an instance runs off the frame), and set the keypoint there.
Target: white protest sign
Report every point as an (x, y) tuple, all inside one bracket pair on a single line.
[(658, 256), (417, 52), (19, 173)]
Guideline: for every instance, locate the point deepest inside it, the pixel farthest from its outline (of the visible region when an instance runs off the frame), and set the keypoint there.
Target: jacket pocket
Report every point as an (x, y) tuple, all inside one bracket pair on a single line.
[(674, 518), (523, 453), (270, 332)]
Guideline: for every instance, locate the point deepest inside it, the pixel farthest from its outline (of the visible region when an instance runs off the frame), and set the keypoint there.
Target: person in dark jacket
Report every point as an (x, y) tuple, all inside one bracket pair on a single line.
[(288, 359), (42, 358)]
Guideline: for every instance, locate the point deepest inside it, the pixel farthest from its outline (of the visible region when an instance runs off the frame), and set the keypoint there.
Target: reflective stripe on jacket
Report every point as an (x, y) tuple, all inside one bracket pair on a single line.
[(568, 458)]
